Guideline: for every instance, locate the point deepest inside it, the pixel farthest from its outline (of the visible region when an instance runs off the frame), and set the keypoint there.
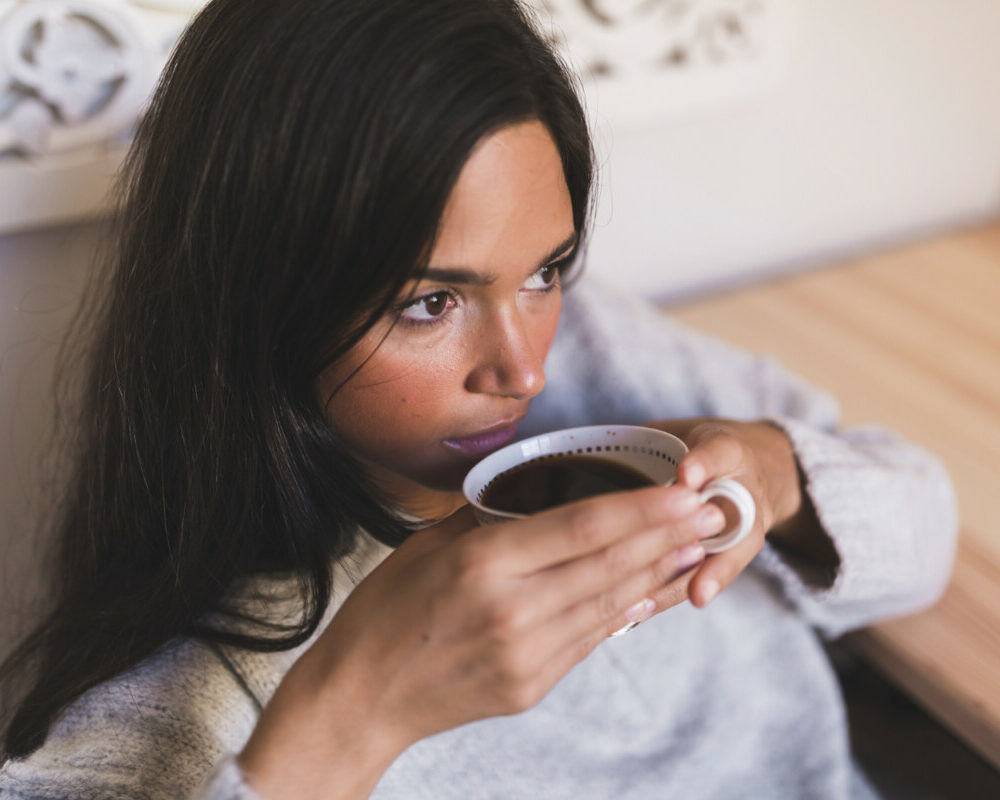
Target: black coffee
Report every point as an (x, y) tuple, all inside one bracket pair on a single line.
[(552, 482)]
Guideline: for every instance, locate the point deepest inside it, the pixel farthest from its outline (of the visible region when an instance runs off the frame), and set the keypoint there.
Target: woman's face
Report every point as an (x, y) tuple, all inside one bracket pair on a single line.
[(456, 371)]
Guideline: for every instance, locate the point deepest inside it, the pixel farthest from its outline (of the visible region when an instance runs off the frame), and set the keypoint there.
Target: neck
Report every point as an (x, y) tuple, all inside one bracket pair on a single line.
[(434, 506), (414, 499)]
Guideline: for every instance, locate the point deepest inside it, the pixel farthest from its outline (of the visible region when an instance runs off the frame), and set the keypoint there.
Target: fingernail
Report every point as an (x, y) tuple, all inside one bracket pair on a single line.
[(710, 520), (709, 589), (684, 501), (694, 475), (640, 611), (688, 556)]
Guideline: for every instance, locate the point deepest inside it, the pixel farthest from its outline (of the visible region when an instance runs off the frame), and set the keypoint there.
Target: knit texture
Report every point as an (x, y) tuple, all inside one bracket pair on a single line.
[(733, 701)]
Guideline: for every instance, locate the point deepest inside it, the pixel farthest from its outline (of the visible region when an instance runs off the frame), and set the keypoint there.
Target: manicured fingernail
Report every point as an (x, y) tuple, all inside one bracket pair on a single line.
[(710, 520), (688, 556), (709, 589), (640, 611)]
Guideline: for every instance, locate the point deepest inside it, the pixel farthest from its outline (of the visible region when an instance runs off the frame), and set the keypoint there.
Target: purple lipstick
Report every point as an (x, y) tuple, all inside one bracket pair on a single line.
[(482, 443)]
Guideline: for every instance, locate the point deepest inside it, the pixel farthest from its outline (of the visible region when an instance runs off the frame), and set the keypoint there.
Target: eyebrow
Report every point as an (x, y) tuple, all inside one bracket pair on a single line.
[(472, 278)]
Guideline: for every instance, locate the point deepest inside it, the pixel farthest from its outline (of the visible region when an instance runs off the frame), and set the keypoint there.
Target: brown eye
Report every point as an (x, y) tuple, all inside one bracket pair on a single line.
[(549, 274), (429, 308), (436, 304), (544, 279)]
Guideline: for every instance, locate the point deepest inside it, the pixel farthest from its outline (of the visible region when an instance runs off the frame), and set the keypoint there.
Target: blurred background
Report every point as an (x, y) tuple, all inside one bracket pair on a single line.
[(738, 140)]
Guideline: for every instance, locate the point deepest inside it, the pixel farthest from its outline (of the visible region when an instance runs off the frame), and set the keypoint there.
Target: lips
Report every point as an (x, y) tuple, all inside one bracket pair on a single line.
[(487, 441)]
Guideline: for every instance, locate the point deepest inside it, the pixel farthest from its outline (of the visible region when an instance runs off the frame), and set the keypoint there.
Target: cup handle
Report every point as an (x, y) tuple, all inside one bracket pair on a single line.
[(740, 497)]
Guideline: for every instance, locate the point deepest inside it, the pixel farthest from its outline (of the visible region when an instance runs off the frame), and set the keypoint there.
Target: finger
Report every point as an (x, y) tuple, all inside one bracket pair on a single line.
[(571, 531), (714, 453), (564, 648), (608, 611), (674, 592), (661, 551), (719, 571)]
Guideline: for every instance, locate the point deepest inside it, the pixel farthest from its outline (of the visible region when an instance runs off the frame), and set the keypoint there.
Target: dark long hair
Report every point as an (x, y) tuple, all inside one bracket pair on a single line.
[(286, 181)]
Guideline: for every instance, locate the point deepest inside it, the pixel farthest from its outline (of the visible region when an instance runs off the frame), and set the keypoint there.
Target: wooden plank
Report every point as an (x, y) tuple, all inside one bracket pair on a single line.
[(872, 385), (946, 658), (933, 344), (910, 340), (940, 298)]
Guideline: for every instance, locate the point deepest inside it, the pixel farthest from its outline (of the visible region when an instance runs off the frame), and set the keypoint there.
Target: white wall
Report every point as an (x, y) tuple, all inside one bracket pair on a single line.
[(886, 126), (41, 277)]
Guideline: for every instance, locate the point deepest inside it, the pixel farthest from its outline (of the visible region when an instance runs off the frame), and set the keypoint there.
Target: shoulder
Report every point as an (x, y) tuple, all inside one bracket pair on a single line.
[(594, 305), (152, 732), (158, 730)]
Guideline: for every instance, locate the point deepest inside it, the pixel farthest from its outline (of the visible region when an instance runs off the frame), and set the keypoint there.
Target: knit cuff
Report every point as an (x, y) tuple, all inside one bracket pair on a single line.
[(860, 500)]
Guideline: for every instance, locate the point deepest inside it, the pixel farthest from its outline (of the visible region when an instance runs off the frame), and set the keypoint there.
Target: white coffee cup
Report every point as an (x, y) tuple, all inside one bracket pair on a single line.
[(653, 453)]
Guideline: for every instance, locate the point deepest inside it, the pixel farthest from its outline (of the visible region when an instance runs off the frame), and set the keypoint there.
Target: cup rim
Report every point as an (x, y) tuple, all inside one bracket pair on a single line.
[(474, 484)]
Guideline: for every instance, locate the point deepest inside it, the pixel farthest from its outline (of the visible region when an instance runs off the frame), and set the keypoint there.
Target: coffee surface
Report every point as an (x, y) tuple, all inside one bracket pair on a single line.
[(552, 482)]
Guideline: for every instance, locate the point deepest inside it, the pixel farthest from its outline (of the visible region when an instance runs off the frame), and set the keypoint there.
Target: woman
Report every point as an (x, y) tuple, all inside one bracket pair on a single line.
[(340, 272)]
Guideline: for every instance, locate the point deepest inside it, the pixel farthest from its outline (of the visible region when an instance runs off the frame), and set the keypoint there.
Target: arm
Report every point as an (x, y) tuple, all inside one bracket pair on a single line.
[(885, 506), (459, 623)]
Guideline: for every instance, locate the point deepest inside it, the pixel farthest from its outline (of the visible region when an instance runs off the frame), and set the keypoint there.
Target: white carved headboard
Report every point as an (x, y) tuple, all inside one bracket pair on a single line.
[(75, 75), (644, 61)]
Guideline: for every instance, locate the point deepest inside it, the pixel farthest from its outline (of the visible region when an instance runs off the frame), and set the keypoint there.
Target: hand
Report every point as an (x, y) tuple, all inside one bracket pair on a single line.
[(462, 623), (759, 456)]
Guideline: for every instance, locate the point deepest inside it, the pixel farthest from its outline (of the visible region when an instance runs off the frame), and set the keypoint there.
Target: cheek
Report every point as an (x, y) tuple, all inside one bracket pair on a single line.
[(390, 402), (544, 329), (408, 399)]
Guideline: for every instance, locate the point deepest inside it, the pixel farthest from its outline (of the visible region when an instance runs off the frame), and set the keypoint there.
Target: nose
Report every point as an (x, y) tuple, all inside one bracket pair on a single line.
[(508, 363)]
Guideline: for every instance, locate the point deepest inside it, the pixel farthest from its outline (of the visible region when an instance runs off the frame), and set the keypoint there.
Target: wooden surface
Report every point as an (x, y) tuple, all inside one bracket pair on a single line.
[(910, 339)]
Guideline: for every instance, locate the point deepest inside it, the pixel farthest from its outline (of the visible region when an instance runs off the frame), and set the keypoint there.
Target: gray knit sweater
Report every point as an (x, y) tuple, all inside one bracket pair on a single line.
[(733, 701)]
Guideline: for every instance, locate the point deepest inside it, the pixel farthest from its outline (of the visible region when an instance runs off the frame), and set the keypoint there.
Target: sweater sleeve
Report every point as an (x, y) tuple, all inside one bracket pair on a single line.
[(167, 729), (887, 505)]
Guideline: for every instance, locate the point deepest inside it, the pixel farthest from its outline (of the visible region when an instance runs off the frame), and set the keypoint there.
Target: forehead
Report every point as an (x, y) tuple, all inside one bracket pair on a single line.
[(510, 203)]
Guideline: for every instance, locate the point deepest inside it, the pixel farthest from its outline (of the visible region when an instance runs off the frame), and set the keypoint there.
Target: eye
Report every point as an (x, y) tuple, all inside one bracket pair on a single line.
[(544, 279), (429, 308)]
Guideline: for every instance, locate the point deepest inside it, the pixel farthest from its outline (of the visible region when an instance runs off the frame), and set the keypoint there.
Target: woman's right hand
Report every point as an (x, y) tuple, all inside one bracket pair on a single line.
[(464, 622)]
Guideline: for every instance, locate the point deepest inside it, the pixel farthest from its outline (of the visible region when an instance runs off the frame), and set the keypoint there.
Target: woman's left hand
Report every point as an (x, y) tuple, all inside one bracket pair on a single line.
[(759, 456)]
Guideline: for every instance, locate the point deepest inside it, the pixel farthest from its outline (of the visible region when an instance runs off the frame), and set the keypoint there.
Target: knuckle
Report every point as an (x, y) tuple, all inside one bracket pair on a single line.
[(505, 621), (707, 430), (607, 605), (723, 441), (584, 526), (651, 512), (514, 669), (663, 571), (522, 697), (615, 561), (731, 445)]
